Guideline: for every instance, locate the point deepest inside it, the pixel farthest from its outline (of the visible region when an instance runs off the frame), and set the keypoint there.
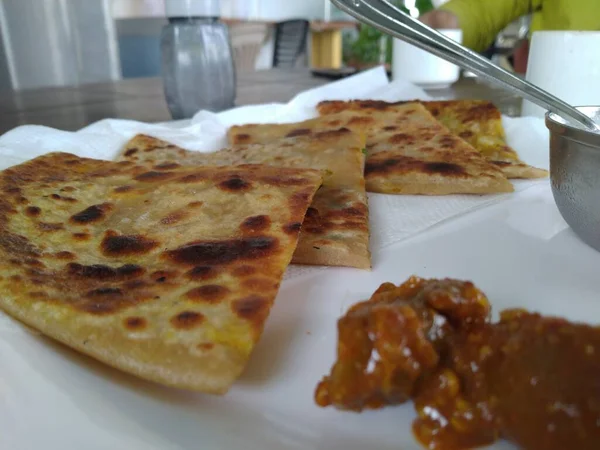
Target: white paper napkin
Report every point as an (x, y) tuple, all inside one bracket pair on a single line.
[(393, 218)]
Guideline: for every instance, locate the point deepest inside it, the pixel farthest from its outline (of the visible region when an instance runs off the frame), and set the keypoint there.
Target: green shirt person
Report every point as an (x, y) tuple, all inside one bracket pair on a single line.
[(482, 20)]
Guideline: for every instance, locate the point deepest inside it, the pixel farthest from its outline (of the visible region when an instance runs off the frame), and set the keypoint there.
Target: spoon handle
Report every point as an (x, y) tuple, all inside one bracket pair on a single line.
[(389, 19)]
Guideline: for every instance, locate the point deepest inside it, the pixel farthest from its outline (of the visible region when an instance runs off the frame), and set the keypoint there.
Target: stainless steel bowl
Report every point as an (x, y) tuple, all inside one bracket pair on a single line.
[(575, 174)]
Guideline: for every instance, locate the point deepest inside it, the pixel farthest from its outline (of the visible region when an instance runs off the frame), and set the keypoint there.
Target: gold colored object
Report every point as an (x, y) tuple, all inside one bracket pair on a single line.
[(326, 49)]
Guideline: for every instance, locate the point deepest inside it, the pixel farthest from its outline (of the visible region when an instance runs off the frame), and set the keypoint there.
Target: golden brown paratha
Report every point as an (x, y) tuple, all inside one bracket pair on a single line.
[(335, 231), (166, 274), (479, 122), (408, 150)]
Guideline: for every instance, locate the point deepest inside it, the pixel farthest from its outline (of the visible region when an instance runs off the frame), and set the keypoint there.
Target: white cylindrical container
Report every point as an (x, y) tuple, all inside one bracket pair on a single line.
[(566, 64), (412, 64)]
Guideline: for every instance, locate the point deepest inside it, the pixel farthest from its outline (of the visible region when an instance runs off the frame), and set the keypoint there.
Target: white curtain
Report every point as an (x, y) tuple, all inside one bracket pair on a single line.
[(58, 42)]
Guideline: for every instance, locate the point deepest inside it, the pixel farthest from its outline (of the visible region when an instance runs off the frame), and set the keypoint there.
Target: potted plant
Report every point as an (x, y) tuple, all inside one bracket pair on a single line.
[(369, 47)]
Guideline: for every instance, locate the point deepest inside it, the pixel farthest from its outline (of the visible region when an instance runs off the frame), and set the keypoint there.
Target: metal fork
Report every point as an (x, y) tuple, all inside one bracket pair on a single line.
[(389, 19)]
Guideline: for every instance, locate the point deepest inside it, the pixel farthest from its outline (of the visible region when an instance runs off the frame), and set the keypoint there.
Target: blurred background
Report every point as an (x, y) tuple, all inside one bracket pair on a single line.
[(71, 42)]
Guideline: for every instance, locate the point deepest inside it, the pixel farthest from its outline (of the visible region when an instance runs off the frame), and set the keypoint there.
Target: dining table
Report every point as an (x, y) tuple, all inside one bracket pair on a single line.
[(142, 99), (177, 276)]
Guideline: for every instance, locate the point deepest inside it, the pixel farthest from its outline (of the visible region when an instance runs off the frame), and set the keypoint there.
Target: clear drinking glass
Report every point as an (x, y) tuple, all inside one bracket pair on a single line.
[(197, 66)]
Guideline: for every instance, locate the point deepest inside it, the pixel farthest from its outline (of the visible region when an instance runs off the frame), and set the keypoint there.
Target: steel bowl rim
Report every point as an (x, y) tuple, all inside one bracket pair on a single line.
[(572, 132)]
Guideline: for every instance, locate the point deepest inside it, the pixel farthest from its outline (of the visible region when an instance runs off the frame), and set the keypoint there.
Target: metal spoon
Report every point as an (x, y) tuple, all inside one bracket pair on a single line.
[(389, 19)]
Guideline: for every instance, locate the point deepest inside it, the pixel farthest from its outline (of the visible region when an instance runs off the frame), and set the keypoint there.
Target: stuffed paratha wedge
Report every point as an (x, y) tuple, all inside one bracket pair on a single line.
[(479, 122), (408, 150), (335, 231), (166, 274)]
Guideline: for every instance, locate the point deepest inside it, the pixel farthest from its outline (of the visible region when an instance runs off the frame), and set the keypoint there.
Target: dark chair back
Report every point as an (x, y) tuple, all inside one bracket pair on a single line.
[(290, 42)]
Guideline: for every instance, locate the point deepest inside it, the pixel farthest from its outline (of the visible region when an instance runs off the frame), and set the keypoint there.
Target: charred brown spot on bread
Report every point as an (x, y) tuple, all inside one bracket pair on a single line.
[(103, 272), (206, 346), (401, 138), (433, 108), (260, 284), (195, 204), (115, 245), (285, 180), (32, 262), (353, 218), (63, 198), (153, 176), (334, 123), (131, 151), (255, 224), (299, 132), (253, 308), (373, 104), (93, 214), (312, 213), (292, 228), (299, 199), (193, 178), (162, 276), (64, 255), (33, 211), (224, 252), (123, 189), (404, 164), (426, 135), (210, 293), (466, 134), (61, 255), (242, 138), (81, 236), (135, 284), (390, 128), (479, 112), (14, 190), (106, 172), (503, 163), (243, 271), (104, 300), (332, 133), (447, 142), (444, 168), (174, 218), (384, 166), (17, 245), (235, 184), (328, 106), (361, 121), (167, 166), (358, 209), (202, 273), (46, 227), (135, 323), (6, 207), (187, 320)]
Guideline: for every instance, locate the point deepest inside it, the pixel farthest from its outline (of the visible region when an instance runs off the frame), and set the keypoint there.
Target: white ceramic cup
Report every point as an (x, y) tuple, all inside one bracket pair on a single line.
[(566, 64), (412, 64)]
